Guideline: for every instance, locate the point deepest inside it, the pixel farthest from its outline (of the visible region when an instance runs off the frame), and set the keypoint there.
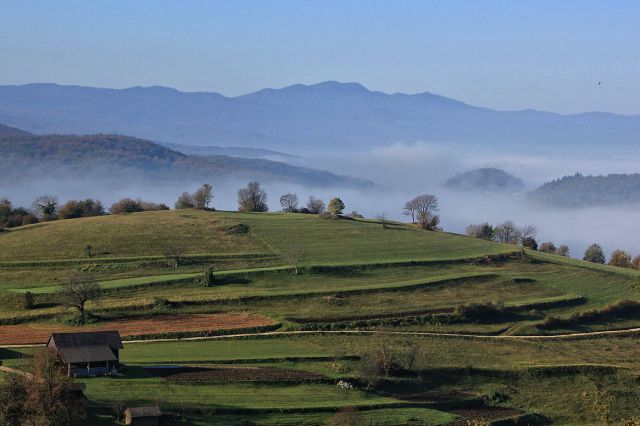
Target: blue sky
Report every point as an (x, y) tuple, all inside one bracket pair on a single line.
[(502, 54)]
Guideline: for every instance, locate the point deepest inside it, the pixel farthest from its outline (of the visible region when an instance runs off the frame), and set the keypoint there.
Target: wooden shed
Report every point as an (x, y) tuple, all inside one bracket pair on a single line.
[(88, 354), (142, 416)]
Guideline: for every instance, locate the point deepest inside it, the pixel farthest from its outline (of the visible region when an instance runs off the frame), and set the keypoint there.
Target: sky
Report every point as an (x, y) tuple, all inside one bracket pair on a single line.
[(546, 55)]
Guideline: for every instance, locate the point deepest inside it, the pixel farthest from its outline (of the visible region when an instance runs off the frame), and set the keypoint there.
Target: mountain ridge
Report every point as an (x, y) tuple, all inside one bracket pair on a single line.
[(306, 118)]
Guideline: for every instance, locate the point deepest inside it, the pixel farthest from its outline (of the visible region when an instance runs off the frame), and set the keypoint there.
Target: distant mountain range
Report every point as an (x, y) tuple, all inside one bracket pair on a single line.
[(485, 179), (585, 191), (84, 158), (300, 119)]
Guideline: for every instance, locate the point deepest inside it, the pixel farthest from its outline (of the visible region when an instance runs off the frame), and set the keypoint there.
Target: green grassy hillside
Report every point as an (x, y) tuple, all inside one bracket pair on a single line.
[(451, 310)]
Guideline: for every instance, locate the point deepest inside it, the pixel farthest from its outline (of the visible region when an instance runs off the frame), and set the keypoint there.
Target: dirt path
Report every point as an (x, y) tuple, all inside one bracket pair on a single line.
[(587, 335)]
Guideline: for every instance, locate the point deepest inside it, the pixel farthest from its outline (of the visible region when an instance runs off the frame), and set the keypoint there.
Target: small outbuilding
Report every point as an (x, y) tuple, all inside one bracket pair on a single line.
[(88, 354), (142, 416)]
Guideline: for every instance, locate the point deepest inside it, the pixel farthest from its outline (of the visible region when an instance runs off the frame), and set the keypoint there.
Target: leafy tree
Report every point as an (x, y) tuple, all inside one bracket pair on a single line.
[(594, 254), (335, 207), (315, 205), (203, 196), (77, 291), (635, 263), (13, 392), (46, 206), (185, 201), (620, 258), (252, 198), (530, 243), (289, 202), (50, 398)]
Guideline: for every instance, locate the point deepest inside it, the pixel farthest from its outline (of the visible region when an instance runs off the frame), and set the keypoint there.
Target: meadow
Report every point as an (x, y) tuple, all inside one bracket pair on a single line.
[(464, 324)]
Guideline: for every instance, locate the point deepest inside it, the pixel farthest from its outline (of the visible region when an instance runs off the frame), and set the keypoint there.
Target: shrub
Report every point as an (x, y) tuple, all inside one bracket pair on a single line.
[(28, 301), (126, 205), (479, 312), (620, 258), (622, 309), (161, 304), (208, 277), (239, 228)]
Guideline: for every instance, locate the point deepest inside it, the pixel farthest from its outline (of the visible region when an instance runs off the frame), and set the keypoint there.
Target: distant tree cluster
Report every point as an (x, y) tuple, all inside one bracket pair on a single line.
[(423, 210), (506, 232), (129, 205), (619, 258), (335, 208), (11, 216), (550, 247)]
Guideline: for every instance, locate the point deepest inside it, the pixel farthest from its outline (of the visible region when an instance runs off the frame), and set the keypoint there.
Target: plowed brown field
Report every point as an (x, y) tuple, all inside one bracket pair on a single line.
[(39, 333)]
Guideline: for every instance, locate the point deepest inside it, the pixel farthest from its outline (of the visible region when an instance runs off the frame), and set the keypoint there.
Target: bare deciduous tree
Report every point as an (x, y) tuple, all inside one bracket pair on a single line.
[(289, 202), (203, 196), (384, 221), (507, 232), (77, 291), (46, 206), (295, 255), (424, 209), (252, 198), (409, 209), (173, 254), (185, 201), (315, 205)]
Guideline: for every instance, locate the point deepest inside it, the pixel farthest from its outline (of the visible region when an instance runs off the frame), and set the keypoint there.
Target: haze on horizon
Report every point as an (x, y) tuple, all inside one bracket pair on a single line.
[(566, 57)]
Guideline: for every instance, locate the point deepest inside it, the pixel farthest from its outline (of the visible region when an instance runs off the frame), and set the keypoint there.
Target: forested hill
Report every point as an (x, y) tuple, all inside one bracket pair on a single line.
[(485, 179), (580, 191), (11, 131), (29, 157)]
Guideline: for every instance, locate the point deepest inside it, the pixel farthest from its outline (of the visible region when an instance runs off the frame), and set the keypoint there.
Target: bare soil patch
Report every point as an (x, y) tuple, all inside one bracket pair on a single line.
[(223, 374), (39, 333)]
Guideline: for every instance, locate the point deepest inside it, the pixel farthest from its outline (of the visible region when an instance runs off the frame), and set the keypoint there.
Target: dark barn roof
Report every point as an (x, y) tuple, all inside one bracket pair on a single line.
[(86, 346)]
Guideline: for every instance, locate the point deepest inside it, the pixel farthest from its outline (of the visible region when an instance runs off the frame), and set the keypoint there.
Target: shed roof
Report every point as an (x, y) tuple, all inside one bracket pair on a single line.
[(87, 338), (150, 411), (87, 354)]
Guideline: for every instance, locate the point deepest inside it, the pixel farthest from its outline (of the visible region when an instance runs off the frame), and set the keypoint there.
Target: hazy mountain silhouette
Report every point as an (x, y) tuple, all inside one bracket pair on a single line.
[(300, 119)]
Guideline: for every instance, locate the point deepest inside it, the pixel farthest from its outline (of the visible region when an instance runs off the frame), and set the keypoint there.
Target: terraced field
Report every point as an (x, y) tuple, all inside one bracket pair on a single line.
[(446, 312)]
